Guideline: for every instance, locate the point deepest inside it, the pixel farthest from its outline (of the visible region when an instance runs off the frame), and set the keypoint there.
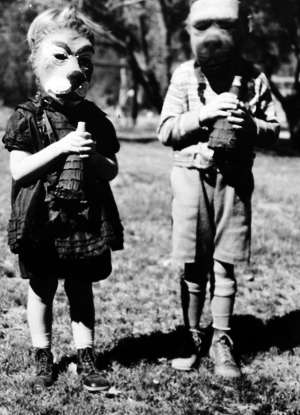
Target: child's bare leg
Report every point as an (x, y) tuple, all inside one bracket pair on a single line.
[(193, 291), (82, 311), (222, 303), (39, 311), (39, 314)]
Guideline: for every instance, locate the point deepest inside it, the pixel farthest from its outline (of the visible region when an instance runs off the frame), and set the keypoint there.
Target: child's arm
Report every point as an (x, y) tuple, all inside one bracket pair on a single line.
[(241, 119), (26, 167), (263, 132), (262, 125), (180, 127), (105, 168)]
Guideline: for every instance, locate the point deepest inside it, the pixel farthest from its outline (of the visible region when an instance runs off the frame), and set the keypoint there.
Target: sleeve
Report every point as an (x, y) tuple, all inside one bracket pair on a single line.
[(267, 124), (103, 131), (17, 135), (108, 143), (179, 128)]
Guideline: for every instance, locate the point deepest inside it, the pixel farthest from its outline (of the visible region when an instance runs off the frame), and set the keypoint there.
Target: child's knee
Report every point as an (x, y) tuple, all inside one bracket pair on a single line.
[(196, 273), (191, 287), (44, 289), (78, 290), (224, 281)]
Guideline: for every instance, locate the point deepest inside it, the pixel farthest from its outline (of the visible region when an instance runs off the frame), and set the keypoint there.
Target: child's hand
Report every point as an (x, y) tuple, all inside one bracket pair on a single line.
[(221, 106), (241, 119), (76, 143)]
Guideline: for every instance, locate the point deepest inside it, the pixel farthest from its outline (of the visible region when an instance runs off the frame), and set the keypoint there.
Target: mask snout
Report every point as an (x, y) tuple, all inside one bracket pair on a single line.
[(212, 42), (214, 49), (76, 79)]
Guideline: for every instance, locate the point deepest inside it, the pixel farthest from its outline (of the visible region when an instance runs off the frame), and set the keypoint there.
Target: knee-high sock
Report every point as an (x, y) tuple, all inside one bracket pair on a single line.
[(193, 291), (223, 295), (39, 311), (82, 312)]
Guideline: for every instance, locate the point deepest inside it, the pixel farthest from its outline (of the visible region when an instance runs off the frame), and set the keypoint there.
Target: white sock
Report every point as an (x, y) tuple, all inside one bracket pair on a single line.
[(82, 312), (82, 335)]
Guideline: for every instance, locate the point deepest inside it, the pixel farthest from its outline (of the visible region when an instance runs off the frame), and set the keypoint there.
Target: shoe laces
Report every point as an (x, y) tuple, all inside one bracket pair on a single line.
[(43, 362), (88, 362), (224, 346), (196, 337)]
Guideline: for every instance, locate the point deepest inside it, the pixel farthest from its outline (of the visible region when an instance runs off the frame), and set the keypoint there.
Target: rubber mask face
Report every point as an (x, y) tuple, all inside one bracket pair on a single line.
[(64, 66), (216, 31)]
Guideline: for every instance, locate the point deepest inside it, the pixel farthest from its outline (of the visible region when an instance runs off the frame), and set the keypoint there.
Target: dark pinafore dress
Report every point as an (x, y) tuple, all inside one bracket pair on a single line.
[(65, 224)]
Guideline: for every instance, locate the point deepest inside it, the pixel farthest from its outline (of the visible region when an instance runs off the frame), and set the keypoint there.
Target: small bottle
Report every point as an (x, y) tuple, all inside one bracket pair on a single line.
[(236, 87), (223, 136)]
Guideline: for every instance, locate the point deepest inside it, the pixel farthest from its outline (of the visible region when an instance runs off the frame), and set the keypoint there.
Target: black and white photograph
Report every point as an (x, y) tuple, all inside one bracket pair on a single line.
[(150, 207)]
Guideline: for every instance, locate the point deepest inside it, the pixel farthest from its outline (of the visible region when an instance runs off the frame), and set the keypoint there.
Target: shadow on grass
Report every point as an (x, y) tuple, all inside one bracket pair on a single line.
[(131, 350), (250, 334), (157, 345)]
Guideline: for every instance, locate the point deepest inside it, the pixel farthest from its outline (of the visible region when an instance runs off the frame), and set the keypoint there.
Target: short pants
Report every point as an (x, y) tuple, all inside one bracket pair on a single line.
[(210, 218)]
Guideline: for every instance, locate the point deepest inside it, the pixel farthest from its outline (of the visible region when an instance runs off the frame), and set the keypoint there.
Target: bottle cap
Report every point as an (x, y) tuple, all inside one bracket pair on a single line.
[(81, 127)]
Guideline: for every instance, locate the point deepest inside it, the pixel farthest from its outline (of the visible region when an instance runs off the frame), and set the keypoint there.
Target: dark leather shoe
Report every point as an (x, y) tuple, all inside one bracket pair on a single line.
[(44, 377), (92, 380), (188, 356), (221, 352)]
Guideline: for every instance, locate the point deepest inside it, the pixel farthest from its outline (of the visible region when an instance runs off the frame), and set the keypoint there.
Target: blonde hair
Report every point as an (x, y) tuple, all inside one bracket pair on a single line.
[(55, 19)]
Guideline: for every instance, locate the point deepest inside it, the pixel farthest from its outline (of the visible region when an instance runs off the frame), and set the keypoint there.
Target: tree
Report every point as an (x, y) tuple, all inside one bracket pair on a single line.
[(276, 47), (15, 73), (151, 35), (148, 37), (145, 33)]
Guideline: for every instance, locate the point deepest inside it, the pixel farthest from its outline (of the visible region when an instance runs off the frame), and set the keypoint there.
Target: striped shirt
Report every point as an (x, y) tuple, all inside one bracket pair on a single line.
[(179, 125)]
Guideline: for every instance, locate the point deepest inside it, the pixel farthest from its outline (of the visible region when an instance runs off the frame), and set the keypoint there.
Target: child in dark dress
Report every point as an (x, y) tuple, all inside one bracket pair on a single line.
[(64, 219)]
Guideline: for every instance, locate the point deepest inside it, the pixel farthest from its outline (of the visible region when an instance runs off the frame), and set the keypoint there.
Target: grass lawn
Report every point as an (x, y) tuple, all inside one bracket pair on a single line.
[(138, 314)]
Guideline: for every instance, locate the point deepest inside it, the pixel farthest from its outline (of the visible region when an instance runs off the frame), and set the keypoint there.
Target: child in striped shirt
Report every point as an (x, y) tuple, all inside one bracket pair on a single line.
[(217, 108)]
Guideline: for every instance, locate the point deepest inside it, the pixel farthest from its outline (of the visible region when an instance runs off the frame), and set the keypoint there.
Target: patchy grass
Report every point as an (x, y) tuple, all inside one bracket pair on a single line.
[(138, 315)]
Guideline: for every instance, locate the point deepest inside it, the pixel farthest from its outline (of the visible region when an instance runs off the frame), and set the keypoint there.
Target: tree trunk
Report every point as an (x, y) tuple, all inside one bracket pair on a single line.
[(291, 107)]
